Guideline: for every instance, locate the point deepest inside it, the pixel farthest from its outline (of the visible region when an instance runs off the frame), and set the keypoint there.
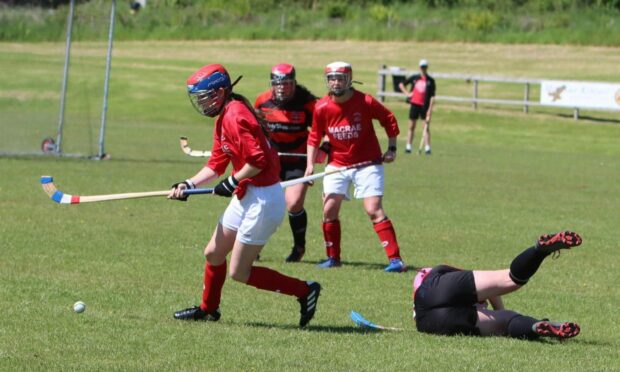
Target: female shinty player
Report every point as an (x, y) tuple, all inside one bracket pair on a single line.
[(346, 116), (451, 301), (287, 109), (257, 205)]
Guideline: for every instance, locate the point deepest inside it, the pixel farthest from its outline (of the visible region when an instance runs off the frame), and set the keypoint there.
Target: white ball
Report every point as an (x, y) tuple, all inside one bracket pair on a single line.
[(79, 307)]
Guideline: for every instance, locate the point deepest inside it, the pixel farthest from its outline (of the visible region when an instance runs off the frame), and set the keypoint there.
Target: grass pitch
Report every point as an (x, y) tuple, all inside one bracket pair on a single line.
[(496, 180)]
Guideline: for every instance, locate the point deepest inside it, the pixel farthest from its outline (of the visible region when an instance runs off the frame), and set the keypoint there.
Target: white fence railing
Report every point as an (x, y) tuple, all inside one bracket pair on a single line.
[(398, 75)]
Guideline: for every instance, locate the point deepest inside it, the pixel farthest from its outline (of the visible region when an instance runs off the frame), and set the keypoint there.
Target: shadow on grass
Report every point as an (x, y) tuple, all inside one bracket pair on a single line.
[(313, 328), (365, 265), (554, 341), (592, 118)]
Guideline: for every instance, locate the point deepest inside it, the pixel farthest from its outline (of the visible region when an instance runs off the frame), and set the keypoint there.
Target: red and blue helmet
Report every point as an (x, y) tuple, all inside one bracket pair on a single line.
[(203, 86)]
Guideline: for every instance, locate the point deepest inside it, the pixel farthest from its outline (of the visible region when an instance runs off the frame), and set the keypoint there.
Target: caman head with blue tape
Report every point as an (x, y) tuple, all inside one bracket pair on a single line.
[(209, 88)]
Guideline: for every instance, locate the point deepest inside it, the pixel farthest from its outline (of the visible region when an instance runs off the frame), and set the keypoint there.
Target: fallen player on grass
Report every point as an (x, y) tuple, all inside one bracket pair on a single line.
[(451, 301)]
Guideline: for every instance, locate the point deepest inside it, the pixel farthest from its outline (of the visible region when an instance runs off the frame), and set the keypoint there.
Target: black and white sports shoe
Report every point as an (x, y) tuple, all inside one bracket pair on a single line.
[(308, 303), (196, 313)]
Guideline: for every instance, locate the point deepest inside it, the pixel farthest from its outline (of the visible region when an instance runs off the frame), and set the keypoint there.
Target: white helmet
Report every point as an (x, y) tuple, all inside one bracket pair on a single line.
[(341, 71)]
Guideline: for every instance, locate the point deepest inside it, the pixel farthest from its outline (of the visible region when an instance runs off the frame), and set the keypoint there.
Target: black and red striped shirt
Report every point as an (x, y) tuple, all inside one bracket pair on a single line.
[(287, 123)]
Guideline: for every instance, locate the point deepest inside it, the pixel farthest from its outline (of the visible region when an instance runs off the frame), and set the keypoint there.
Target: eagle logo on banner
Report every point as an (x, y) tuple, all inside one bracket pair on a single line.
[(557, 94)]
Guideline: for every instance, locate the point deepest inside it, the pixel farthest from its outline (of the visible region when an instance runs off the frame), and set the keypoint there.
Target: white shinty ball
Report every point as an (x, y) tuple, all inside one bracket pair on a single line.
[(79, 307)]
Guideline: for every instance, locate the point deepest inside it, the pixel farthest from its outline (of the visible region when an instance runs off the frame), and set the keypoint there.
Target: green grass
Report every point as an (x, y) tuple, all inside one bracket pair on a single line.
[(497, 178)]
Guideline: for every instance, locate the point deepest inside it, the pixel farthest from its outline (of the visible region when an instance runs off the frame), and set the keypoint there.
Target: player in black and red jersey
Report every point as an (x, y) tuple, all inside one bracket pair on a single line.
[(346, 116), (422, 98), (287, 109)]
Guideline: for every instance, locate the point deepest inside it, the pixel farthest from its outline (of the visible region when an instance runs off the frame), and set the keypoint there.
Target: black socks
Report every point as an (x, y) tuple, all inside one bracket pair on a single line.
[(521, 327), (525, 265), (299, 222)]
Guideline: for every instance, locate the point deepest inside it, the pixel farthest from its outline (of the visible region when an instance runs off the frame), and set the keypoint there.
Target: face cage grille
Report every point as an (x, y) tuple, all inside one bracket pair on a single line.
[(283, 89), (205, 102), (346, 86)]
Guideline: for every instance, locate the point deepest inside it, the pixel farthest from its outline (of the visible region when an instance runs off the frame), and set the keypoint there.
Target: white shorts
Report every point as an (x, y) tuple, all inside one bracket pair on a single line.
[(257, 216), (367, 181)]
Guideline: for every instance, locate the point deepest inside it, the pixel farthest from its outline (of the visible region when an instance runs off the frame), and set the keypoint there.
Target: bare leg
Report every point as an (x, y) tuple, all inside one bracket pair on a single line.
[(427, 134), (241, 260), (493, 283), (331, 207), (410, 133), (220, 245), (494, 322), (374, 208), (295, 196)]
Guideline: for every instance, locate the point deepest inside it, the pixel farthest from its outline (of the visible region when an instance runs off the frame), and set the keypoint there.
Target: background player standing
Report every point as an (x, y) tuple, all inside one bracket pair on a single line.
[(287, 110), (346, 117), (257, 206), (421, 98)]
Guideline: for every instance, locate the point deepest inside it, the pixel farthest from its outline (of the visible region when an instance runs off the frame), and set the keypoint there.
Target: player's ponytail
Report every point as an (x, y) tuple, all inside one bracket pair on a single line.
[(246, 103)]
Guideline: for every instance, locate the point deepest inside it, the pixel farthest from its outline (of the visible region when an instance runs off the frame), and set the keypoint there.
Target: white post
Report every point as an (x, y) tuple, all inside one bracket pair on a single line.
[(106, 84), (381, 84), (526, 97), (65, 78), (475, 105)]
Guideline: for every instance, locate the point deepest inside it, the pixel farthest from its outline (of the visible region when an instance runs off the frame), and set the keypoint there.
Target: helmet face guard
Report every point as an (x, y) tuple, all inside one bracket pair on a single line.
[(203, 88), (283, 90), (283, 82), (338, 78), (207, 102), (338, 83)]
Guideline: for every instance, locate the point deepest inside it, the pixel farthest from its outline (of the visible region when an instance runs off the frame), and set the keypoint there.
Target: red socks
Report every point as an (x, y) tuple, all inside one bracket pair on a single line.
[(271, 280), (387, 236), (215, 276), (384, 229), (331, 233)]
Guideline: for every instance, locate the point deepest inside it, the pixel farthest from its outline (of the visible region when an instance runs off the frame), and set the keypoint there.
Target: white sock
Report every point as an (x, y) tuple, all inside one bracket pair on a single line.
[(408, 147), (427, 148)]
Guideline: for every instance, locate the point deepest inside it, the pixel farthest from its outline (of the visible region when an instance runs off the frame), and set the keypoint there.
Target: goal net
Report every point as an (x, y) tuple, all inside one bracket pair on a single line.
[(56, 102)]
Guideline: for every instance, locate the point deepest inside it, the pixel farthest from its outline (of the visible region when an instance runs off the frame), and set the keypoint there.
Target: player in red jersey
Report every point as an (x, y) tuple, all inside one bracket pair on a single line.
[(257, 206), (421, 99), (345, 116), (287, 110)]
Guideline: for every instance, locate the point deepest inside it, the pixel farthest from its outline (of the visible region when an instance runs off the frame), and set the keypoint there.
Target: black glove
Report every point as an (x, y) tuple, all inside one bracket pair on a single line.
[(226, 187), (326, 147), (189, 186)]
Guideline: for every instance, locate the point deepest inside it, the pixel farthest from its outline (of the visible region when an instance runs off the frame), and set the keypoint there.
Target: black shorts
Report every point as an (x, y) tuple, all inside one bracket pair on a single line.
[(446, 301), (417, 112), (292, 168)]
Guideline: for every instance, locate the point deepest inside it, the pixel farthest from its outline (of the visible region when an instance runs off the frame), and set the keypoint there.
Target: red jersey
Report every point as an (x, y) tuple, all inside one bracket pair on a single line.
[(288, 123), (349, 128), (422, 89), (239, 138)]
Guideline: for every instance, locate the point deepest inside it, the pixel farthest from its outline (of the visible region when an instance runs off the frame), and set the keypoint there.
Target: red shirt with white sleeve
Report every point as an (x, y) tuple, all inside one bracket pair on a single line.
[(349, 127), (239, 138)]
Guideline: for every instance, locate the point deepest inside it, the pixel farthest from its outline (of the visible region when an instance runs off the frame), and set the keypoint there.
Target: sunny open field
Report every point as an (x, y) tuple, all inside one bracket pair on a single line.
[(496, 180)]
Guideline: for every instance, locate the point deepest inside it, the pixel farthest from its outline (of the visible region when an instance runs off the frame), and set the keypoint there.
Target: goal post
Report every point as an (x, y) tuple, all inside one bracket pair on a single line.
[(28, 110)]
